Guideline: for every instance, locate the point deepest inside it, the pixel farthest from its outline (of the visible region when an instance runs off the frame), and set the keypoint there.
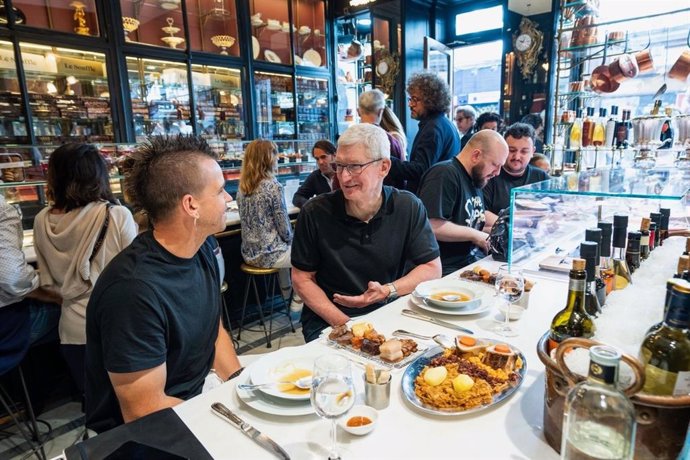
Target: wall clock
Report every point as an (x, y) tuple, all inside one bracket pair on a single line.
[(527, 45)]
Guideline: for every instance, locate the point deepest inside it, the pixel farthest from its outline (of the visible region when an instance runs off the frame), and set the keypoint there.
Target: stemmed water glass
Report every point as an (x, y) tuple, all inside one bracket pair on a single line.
[(332, 392), (510, 284)]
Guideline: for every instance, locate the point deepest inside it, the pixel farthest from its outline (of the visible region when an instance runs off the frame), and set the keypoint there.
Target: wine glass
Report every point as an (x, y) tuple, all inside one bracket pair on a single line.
[(510, 284), (332, 392)]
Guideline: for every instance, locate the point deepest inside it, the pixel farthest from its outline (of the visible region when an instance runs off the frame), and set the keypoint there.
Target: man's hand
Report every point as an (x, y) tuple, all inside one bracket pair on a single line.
[(375, 293), (480, 239)]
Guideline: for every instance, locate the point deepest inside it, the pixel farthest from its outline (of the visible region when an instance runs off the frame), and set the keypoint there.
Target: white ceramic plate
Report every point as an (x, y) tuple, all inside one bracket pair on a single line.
[(481, 308), (426, 289), (269, 405), (298, 60), (255, 47), (312, 56), (273, 367), (272, 57)]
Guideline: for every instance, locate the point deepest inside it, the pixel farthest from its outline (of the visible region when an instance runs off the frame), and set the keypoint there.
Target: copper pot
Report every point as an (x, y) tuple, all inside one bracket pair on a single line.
[(644, 60), (601, 81), (623, 68), (681, 68)]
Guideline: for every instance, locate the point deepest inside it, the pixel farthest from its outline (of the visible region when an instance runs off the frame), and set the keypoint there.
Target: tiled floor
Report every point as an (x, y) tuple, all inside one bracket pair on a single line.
[(67, 420)]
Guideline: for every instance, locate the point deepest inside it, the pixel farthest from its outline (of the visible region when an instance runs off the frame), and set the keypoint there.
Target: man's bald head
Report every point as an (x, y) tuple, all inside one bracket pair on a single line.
[(483, 156)]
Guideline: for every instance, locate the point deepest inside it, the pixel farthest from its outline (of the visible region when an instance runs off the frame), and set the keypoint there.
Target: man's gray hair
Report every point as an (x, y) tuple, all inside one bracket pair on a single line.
[(466, 111), (371, 137), (372, 101)]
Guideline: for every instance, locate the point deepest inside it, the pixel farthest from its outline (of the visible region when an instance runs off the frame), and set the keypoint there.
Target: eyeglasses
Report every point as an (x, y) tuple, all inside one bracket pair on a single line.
[(413, 99), (355, 169)]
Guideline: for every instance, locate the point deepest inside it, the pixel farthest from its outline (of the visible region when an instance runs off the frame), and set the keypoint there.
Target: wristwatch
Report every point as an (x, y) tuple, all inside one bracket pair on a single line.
[(393, 293)]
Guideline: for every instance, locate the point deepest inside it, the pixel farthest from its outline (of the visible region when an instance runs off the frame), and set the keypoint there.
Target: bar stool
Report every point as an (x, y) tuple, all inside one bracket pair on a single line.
[(226, 313), (270, 277)]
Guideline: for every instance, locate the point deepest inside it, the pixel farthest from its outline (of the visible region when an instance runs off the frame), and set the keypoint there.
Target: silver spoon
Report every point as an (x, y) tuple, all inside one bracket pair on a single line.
[(450, 297), (303, 384), (441, 339)]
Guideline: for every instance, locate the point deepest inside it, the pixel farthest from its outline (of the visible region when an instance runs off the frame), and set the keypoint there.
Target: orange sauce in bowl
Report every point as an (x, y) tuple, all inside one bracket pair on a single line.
[(358, 420), (461, 297)]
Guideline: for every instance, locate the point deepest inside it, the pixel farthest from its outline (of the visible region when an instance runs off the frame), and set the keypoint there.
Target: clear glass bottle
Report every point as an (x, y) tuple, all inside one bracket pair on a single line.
[(606, 263), (588, 127), (621, 271), (610, 130), (573, 320), (599, 420), (665, 353), (588, 251), (599, 136), (576, 132)]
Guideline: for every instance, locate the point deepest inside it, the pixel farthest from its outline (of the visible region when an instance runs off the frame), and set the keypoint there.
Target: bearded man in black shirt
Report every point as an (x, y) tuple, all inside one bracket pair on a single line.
[(516, 172), (452, 194)]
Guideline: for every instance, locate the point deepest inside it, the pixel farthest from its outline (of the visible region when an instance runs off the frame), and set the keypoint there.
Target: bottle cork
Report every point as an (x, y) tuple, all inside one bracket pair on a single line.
[(645, 223), (579, 264)]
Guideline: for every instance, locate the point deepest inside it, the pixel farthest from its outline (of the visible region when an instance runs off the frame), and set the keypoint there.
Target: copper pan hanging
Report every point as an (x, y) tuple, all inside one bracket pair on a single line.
[(681, 68), (601, 81)]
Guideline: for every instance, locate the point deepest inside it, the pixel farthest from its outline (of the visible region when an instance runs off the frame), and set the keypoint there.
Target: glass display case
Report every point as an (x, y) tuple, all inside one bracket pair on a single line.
[(218, 96), (23, 170), (312, 109), (275, 106), (159, 93), (310, 36), (154, 22), (12, 120), (548, 219), (69, 97), (271, 31), (78, 16), (213, 26)]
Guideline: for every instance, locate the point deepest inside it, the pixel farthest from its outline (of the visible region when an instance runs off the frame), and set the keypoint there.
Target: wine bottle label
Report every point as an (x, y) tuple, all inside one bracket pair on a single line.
[(603, 373), (662, 382), (644, 240)]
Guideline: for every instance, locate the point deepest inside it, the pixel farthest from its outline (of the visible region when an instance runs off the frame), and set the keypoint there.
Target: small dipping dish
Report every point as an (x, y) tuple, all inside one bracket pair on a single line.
[(352, 422)]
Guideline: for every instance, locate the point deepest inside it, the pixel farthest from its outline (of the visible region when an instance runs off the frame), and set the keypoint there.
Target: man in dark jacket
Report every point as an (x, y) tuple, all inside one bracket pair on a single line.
[(437, 138)]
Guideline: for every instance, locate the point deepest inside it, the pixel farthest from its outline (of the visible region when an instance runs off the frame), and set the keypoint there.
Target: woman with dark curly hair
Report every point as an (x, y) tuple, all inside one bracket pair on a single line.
[(437, 139)]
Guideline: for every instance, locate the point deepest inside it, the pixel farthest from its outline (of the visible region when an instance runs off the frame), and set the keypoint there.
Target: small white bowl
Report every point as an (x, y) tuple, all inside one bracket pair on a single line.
[(360, 411), (516, 311), (428, 288)]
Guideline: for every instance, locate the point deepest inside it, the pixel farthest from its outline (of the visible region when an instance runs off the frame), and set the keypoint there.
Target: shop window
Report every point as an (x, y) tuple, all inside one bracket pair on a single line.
[(77, 17), (160, 97), (213, 26), (154, 22), (218, 96), (481, 20), (477, 76), (69, 97)]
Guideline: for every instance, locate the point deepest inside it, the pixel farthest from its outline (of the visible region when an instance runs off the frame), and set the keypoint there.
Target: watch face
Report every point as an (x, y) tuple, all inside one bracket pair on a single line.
[(523, 42)]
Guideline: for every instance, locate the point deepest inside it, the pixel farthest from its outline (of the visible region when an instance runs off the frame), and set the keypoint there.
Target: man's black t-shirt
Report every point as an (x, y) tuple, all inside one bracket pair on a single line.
[(448, 193), (347, 253), (497, 191), (150, 307)]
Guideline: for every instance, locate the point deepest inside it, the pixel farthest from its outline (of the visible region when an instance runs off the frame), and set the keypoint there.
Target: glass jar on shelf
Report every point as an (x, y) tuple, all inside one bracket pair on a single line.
[(159, 93)]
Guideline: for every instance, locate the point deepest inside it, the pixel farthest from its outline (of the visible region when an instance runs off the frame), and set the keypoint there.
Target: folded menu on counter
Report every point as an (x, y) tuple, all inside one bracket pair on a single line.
[(159, 435)]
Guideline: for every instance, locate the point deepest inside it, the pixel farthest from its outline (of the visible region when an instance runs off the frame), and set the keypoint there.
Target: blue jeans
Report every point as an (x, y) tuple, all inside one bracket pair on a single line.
[(44, 318)]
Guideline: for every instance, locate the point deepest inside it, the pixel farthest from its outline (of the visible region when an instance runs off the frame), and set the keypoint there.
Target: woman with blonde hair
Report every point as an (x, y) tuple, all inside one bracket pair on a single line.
[(391, 124), (266, 230)]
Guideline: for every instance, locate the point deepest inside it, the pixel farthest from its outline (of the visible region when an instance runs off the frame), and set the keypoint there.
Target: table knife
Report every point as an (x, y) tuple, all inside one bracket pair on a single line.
[(251, 432), (431, 319)]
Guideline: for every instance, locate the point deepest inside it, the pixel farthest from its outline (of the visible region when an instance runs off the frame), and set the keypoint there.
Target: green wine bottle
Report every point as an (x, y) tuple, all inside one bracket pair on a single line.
[(665, 353), (573, 320)]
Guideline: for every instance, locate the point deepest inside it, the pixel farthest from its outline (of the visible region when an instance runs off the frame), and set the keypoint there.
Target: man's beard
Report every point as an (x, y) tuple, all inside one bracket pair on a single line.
[(478, 180)]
